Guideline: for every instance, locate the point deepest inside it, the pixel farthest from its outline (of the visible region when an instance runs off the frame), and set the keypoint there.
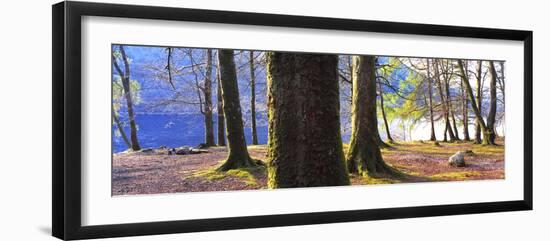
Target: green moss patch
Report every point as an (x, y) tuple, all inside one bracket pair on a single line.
[(454, 176), (368, 180), (246, 175)]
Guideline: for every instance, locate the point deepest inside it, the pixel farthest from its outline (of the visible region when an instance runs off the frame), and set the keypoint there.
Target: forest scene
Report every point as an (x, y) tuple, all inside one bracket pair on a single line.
[(200, 120)]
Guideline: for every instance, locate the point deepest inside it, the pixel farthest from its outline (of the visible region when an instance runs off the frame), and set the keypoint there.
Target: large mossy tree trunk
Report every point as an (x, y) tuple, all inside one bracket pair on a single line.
[(364, 154), (208, 107), (485, 131), (304, 143), (219, 105), (238, 156), (253, 98), (125, 78)]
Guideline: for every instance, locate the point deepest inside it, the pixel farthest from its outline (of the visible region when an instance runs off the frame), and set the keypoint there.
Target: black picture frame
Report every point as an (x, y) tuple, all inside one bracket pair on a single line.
[(66, 47)]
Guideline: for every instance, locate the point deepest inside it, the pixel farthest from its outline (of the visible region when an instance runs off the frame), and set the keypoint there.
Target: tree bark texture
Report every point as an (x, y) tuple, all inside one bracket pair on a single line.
[(253, 98), (364, 154), (208, 107), (219, 105), (304, 143), (491, 118), (238, 156), (479, 97)]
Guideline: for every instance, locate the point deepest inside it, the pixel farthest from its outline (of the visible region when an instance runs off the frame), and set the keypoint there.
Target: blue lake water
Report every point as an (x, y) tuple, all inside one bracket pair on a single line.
[(173, 130)]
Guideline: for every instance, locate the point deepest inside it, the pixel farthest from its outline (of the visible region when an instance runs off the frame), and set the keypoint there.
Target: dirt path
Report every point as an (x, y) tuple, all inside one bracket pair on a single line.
[(156, 172)]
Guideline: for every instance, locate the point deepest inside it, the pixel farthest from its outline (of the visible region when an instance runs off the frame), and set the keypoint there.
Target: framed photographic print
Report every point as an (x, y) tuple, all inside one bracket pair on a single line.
[(170, 120)]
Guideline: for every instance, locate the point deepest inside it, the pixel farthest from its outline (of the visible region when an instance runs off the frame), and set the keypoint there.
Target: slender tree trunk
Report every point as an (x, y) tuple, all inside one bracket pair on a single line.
[(444, 104), (390, 139), (485, 131), (381, 143), (253, 98), (304, 145), (169, 67), (502, 90), (208, 107), (445, 132), (364, 154), (221, 118), (120, 129), (465, 120), (125, 77), (502, 82), (455, 128), (350, 69), (479, 97), (492, 104), (454, 133), (430, 94), (238, 154)]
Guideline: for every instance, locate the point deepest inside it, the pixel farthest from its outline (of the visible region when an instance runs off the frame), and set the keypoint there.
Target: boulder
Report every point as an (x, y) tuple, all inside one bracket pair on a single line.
[(197, 151), (172, 151), (201, 146), (184, 150), (457, 160), (146, 150)]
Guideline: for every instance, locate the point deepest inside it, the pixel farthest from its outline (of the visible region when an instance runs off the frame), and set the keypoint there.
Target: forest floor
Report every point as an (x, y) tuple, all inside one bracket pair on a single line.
[(156, 172)]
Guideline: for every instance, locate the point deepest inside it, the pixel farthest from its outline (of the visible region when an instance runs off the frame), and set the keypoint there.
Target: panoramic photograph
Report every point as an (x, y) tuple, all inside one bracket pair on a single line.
[(188, 119)]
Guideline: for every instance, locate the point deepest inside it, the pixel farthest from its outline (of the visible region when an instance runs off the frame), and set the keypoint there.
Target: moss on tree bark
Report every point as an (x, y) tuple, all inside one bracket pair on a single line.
[(238, 156), (364, 154), (304, 144)]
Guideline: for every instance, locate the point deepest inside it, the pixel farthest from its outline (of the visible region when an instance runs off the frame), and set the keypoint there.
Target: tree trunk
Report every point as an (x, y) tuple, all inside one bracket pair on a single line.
[(390, 139), (120, 129), (208, 119), (221, 118), (453, 135), (492, 104), (125, 77), (502, 90), (238, 154), (169, 67), (502, 82), (485, 131), (364, 154), (479, 97), (381, 143), (465, 120), (304, 145), (444, 104), (430, 87), (455, 128), (253, 98)]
